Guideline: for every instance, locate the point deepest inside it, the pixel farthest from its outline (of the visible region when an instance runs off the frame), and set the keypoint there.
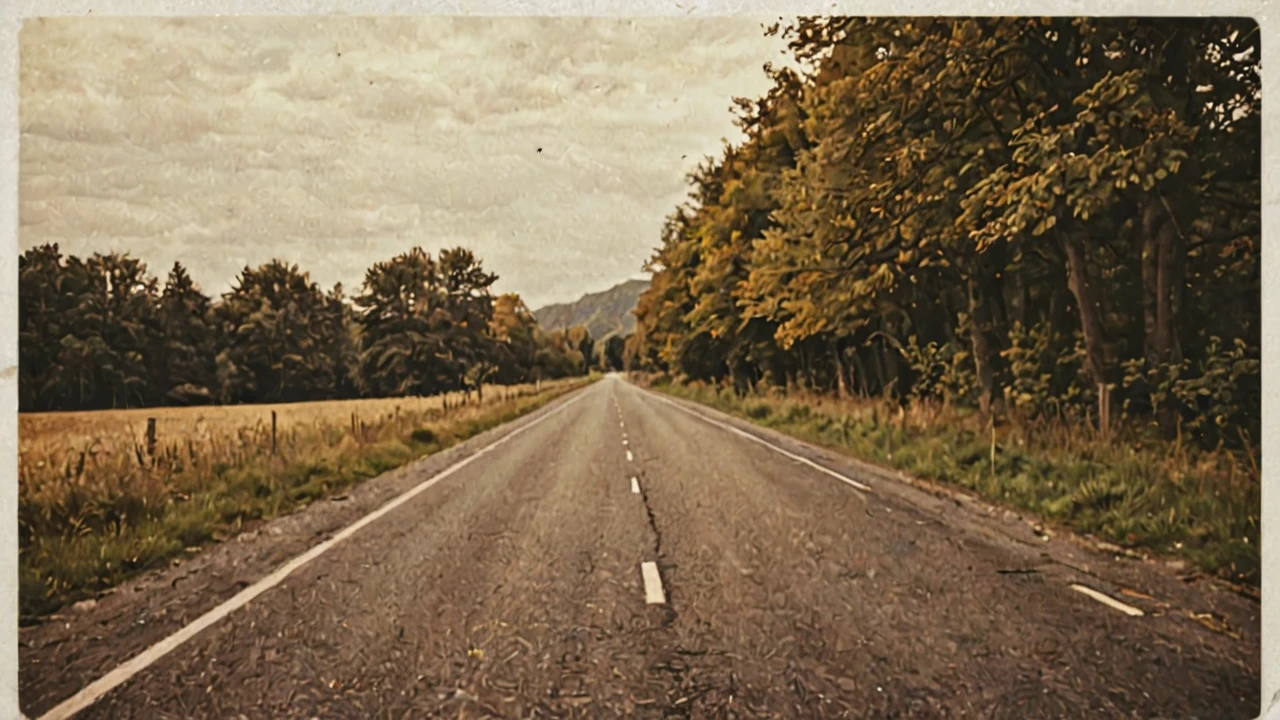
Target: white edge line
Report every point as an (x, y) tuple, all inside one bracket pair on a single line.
[(1108, 600), (653, 594), (92, 692), (766, 443), (635, 486)]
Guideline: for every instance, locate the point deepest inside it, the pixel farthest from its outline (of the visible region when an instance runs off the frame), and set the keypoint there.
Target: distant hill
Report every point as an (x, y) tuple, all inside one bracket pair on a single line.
[(604, 313)]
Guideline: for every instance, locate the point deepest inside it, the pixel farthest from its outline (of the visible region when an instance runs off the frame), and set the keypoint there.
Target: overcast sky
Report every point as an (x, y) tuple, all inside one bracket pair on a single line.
[(334, 143)]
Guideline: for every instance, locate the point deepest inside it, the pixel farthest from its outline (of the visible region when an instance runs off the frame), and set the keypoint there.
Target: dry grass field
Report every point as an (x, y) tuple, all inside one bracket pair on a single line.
[(98, 502), (49, 436)]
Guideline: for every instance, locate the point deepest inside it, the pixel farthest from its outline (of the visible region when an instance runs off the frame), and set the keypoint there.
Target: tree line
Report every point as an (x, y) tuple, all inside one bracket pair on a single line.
[(101, 333), (1027, 216)]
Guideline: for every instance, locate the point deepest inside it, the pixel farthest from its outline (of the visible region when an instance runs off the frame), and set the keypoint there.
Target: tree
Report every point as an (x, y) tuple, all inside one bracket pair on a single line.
[(469, 306), (404, 320), (101, 333), (515, 331), (275, 329), (47, 298), (188, 369), (612, 352), (983, 210)]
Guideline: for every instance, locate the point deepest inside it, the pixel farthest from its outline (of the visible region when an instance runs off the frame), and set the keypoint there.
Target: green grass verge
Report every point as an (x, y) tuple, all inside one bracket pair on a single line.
[(61, 569), (1202, 507)]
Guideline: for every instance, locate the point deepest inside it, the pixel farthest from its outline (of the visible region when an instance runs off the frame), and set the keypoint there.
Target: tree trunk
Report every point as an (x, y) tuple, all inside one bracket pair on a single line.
[(860, 374), (892, 369), (1088, 305), (837, 354), (1169, 285), (1163, 272), (979, 336), (1021, 299), (1150, 255)]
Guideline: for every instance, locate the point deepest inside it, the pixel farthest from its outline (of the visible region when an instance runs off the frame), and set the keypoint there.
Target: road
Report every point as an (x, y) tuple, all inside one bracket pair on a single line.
[(513, 587)]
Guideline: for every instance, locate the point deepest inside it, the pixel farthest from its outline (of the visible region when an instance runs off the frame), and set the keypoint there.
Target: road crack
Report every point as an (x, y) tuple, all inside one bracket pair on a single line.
[(656, 548)]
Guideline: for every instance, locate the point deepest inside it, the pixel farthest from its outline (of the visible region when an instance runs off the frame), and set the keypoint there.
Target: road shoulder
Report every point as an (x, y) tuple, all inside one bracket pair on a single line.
[(1155, 585)]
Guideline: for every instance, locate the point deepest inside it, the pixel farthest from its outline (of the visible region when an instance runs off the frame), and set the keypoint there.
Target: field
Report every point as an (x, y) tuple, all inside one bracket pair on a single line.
[(50, 436), (1203, 506), (98, 502)]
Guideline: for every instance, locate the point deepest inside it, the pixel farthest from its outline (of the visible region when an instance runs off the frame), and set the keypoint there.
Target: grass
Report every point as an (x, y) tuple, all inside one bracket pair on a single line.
[(96, 507), (1198, 505)]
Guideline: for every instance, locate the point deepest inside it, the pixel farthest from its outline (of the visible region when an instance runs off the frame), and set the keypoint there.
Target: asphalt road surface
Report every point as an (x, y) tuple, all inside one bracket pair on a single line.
[(514, 586)]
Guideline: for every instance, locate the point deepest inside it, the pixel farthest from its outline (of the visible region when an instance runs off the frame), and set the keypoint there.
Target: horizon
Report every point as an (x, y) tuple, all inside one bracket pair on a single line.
[(335, 143)]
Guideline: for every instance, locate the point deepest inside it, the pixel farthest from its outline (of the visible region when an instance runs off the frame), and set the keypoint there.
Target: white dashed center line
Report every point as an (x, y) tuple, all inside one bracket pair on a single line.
[(635, 486), (653, 594), (629, 456)]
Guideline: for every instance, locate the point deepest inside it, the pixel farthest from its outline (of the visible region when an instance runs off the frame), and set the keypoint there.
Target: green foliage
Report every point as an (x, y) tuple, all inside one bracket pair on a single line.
[(275, 326), (1218, 397), (943, 372), (101, 333), (997, 212)]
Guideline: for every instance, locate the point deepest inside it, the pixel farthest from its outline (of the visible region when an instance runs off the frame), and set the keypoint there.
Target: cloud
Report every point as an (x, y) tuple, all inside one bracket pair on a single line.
[(337, 142)]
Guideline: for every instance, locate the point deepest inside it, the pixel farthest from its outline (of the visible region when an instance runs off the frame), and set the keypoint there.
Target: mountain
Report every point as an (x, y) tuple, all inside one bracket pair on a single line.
[(604, 313)]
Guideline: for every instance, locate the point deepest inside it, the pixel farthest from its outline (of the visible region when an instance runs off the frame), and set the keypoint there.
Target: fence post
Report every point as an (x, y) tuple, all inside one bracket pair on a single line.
[(273, 432), (151, 437)]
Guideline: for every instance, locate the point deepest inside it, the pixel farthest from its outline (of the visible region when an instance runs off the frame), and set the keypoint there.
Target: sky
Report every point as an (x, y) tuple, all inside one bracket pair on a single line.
[(553, 148)]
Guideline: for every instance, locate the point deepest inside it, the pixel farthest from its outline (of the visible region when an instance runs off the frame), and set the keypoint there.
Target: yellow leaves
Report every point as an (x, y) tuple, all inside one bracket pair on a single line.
[(1044, 225)]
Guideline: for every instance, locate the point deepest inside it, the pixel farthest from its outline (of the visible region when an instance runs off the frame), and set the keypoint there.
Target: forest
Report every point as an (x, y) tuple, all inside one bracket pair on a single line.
[(102, 333), (1039, 219)]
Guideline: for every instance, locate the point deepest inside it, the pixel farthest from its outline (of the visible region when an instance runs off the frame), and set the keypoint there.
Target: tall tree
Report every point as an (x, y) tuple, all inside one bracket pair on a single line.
[(188, 369), (404, 317), (274, 333)]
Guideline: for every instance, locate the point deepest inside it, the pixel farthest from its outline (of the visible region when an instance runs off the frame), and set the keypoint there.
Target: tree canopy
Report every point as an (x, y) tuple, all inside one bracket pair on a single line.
[(102, 333), (1006, 212)]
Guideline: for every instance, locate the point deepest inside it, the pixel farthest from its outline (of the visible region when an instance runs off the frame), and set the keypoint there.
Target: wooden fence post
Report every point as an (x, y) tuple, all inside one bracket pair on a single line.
[(273, 432), (151, 437)]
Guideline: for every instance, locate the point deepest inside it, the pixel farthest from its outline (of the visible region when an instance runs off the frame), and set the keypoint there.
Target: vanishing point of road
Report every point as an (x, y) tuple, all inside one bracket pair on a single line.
[(619, 553)]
